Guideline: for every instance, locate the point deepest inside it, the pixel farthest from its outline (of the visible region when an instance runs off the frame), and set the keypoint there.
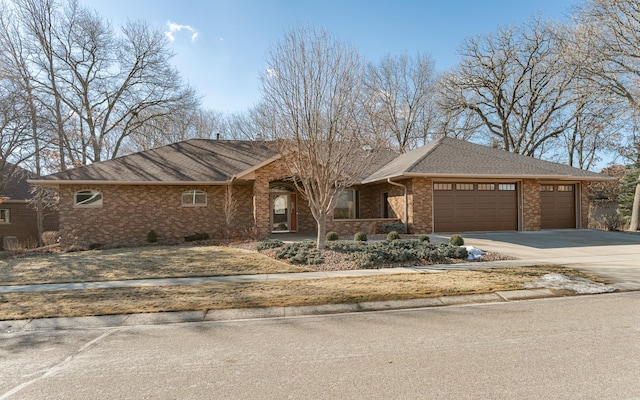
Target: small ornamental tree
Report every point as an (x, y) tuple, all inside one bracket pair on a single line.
[(314, 110)]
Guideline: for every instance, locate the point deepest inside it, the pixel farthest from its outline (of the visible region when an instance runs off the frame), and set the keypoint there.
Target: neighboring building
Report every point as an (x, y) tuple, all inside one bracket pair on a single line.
[(17, 218), (446, 186)]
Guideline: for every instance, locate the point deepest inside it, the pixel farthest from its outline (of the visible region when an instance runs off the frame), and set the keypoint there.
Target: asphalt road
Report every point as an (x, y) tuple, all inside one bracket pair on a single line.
[(584, 347)]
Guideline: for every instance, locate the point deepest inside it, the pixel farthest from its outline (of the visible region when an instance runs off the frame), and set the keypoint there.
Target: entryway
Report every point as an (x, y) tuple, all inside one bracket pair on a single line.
[(283, 204)]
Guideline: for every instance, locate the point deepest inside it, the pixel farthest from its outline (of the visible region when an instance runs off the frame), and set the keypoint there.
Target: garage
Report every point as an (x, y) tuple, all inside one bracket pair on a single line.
[(557, 206), (465, 207)]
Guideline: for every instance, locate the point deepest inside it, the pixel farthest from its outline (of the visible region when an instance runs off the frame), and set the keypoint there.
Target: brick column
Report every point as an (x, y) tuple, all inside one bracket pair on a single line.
[(531, 207)]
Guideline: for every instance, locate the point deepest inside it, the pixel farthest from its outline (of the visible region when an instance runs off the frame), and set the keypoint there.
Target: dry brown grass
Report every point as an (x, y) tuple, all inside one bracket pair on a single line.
[(139, 263), (217, 296)]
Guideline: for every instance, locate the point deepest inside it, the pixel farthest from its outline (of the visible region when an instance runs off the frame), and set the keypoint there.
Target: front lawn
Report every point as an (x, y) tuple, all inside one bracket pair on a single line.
[(138, 263)]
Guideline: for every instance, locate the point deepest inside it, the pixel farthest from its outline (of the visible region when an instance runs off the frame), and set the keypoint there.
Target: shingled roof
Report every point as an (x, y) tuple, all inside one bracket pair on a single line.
[(448, 157), (202, 161), (17, 187), (191, 161)]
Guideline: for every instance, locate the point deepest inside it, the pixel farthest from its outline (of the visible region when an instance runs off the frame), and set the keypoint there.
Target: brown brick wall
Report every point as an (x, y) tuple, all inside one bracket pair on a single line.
[(584, 205), (23, 222), (371, 200), (420, 205), (130, 212), (532, 220), (351, 226)]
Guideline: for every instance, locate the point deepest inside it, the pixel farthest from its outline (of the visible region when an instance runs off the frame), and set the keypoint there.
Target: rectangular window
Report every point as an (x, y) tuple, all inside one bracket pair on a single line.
[(507, 186), (464, 186), (442, 186), (194, 198), (486, 186), (565, 188), (5, 216), (546, 188), (346, 205)]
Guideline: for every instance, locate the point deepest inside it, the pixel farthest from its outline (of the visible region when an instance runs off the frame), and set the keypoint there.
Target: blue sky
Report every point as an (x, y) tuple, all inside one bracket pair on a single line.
[(221, 46)]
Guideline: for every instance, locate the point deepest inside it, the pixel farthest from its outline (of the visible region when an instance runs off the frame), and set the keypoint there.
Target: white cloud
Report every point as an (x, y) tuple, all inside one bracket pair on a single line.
[(271, 73), (173, 27)]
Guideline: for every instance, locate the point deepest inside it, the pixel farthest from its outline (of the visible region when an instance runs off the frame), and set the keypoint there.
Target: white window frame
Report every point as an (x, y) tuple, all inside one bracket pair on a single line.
[(352, 208), (5, 216), (95, 194), (193, 196)]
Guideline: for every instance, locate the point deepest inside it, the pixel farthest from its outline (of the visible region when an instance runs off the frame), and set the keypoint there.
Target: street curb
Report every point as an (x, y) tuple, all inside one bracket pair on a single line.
[(163, 318)]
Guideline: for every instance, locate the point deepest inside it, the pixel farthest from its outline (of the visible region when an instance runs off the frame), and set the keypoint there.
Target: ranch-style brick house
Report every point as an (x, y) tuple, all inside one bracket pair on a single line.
[(18, 220), (183, 188)]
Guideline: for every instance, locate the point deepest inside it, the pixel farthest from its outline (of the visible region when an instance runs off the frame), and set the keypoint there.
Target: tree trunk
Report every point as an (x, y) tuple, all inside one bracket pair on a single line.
[(322, 230), (635, 210), (39, 221)]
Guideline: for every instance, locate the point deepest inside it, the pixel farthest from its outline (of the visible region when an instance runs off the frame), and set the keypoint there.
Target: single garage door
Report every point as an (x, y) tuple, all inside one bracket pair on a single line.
[(557, 206), (464, 207)]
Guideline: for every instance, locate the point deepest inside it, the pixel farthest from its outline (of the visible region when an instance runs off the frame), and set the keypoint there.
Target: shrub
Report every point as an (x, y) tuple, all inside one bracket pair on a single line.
[(389, 227), (424, 238), (456, 240), (50, 237), (197, 236), (152, 236), (332, 236), (393, 235), (360, 237), (269, 244), (346, 246), (300, 253)]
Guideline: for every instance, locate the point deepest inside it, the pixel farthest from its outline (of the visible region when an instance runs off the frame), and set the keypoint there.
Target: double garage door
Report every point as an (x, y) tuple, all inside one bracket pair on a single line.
[(466, 207)]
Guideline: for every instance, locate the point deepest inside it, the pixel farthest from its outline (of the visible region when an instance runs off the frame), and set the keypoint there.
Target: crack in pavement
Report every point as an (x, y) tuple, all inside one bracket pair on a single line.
[(55, 368)]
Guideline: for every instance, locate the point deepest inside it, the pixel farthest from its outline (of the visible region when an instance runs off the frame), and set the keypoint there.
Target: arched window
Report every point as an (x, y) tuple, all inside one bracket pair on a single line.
[(88, 198), (194, 198)]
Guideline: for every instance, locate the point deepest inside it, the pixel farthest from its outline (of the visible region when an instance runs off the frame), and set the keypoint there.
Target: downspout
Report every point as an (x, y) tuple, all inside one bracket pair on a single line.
[(230, 198), (406, 203)]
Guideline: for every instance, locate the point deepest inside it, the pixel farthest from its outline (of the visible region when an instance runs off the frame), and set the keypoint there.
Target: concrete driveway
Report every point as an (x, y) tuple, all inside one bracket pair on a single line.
[(615, 255)]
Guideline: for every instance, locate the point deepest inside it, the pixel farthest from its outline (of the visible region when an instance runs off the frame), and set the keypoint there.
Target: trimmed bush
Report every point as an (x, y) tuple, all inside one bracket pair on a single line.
[(424, 238), (332, 236), (152, 236), (269, 244), (456, 240), (360, 237), (401, 250), (393, 235), (300, 253), (389, 227), (346, 246), (197, 236)]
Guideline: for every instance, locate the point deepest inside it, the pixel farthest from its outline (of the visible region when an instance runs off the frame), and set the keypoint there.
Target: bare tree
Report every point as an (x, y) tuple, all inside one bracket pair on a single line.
[(612, 31), (99, 84), (313, 109), (517, 83), (402, 89), (37, 24), (180, 125)]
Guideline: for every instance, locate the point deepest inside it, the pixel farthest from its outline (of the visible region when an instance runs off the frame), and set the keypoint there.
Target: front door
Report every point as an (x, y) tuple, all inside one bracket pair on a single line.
[(283, 212)]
